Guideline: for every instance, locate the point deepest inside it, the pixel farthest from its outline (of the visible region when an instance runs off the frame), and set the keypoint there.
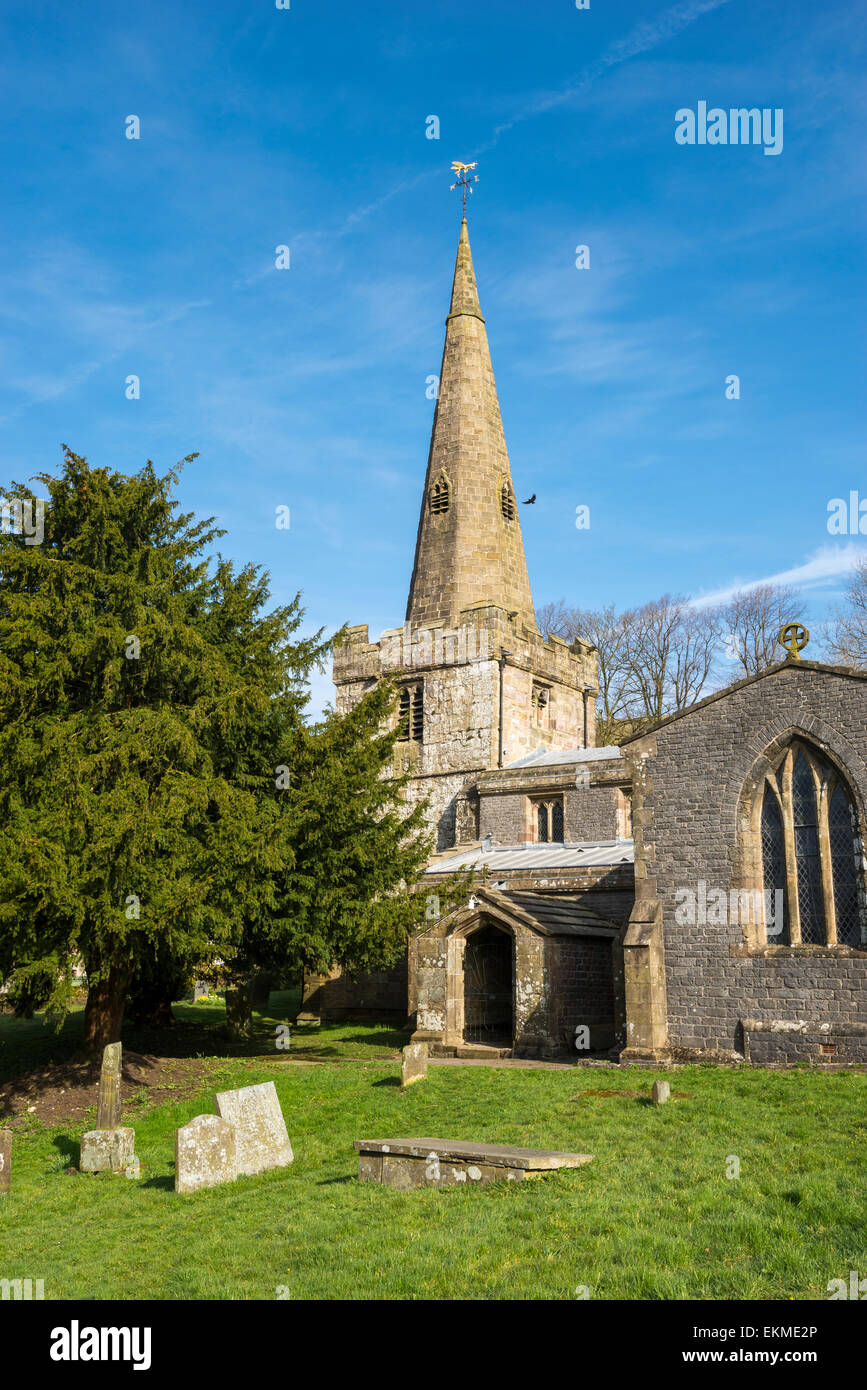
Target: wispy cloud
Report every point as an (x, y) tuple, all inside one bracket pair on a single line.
[(824, 566)]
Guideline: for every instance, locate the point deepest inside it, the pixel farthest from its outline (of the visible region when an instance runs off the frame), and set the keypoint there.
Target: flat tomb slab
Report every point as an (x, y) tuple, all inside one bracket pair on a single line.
[(429, 1162)]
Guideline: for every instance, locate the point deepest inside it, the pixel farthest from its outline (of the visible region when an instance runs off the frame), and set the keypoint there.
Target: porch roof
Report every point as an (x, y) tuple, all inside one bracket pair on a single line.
[(551, 914)]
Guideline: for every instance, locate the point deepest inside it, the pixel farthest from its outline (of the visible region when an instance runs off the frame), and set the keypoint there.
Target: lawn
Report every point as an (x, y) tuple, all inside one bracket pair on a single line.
[(653, 1217)]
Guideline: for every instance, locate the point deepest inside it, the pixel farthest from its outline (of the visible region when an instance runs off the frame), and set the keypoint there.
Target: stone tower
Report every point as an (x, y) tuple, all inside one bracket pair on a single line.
[(479, 687)]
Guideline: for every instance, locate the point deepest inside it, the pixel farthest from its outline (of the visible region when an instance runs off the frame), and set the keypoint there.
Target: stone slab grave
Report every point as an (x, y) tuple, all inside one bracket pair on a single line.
[(414, 1063), (5, 1161), (260, 1129), (205, 1153), (425, 1162), (111, 1146)]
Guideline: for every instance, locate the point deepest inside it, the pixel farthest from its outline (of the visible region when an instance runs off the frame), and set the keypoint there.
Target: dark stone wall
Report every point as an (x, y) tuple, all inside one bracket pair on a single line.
[(687, 790), (589, 813), (366, 994), (582, 977), (503, 818)]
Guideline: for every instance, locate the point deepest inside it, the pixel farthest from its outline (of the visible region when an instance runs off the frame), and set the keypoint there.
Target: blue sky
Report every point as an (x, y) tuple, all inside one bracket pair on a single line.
[(306, 387)]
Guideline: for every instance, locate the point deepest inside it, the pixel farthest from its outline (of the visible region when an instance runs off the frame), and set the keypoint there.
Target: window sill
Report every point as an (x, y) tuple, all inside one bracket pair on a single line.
[(744, 948)]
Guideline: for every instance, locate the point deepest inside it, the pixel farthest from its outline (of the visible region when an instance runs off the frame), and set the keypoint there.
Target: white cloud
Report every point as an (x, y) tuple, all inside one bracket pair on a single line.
[(826, 565)]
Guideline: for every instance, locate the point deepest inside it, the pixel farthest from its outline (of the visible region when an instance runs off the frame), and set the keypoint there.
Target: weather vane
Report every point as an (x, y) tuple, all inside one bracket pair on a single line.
[(463, 181)]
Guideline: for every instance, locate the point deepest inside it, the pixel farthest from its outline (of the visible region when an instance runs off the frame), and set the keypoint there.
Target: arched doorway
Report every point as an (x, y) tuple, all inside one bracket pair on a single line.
[(488, 987)]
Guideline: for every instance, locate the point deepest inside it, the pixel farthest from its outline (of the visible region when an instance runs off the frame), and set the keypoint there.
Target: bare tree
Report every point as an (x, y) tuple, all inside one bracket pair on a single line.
[(847, 635), (750, 624), (605, 630), (670, 648)]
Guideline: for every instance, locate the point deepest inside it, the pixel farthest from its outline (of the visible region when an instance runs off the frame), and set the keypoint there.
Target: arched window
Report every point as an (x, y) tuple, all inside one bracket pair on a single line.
[(810, 849), (441, 496), (507, 502)]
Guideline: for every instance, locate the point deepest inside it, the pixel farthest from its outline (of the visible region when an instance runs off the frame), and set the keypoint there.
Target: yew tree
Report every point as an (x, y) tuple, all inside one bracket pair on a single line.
[(161, 797)]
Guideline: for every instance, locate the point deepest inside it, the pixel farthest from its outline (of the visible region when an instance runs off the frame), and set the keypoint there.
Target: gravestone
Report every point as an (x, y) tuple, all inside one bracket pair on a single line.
[(260, 1129), (5, 1161), (201, 990), (408, 1163), (661, 1092), (204, 1154), (109, 1150), (108, 1099), (414, 1063), (110, 1146)]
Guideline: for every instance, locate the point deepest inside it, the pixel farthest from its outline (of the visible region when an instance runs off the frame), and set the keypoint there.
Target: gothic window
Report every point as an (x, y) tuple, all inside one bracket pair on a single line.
[(507, 502), (548, 820), (440, 496), (540, 700), (810, 848), (410, 713)]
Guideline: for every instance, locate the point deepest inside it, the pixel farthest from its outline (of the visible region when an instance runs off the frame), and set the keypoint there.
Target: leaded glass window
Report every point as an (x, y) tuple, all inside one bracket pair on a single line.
[(548, 820), (841, 830), (774, 864), (810, 848), (806, 824)]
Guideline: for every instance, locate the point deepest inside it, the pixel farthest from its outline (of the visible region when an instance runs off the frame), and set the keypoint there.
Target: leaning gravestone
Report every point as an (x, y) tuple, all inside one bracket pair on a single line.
[(260, 1129), (5, 1161), (110, 1145), (205, 1154), (414, 1064)]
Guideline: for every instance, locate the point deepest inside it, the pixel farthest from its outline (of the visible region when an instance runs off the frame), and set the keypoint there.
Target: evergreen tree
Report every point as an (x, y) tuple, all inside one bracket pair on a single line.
[(147, 704)]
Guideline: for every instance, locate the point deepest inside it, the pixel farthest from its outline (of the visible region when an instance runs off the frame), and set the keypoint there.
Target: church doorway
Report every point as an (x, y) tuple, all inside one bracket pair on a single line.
[(488, 988)]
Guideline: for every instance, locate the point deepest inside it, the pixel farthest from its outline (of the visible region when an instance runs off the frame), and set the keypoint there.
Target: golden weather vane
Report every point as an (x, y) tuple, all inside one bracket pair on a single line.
[(463, 181)]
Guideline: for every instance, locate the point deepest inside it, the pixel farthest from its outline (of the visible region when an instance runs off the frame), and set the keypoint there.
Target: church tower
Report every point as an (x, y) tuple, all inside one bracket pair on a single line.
[(478, 686)]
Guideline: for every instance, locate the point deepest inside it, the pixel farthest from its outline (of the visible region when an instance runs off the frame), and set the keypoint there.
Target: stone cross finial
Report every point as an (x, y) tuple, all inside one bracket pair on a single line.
[(108, 1099), (794, 637)]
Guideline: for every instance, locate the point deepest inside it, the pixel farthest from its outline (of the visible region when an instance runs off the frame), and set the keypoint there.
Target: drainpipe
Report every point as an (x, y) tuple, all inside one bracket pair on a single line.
[(586, 692), (502, 662)]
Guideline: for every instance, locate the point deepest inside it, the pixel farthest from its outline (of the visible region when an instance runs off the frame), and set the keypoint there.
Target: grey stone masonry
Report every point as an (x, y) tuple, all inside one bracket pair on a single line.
[(695, 779)]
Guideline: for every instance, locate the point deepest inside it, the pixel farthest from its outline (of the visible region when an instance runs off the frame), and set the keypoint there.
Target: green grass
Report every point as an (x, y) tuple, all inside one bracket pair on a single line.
[(653, 1217)]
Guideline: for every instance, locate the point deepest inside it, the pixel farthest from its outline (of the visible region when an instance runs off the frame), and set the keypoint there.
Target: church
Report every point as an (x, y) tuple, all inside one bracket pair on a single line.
[(697, 893)]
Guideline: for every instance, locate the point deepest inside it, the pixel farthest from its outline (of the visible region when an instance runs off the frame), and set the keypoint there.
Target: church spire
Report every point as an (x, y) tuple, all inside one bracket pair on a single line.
[(469, 548)]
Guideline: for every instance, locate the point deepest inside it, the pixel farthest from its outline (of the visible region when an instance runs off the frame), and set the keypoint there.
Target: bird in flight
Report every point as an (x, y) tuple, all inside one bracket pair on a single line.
[(528, 500)]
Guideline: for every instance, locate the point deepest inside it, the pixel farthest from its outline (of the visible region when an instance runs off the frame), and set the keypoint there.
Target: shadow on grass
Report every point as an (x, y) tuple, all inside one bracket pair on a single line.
[(164, 1184), (335, 1182), (388, 1081), (67, 1148)]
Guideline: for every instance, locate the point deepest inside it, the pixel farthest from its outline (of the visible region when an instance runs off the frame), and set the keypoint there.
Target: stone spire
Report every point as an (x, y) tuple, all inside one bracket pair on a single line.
[(469, 548)]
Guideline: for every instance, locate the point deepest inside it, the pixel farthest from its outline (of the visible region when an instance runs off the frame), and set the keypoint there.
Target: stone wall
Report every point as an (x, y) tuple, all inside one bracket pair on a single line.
[(689, 828), (583, 990), (593, 809), (358, 994)]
